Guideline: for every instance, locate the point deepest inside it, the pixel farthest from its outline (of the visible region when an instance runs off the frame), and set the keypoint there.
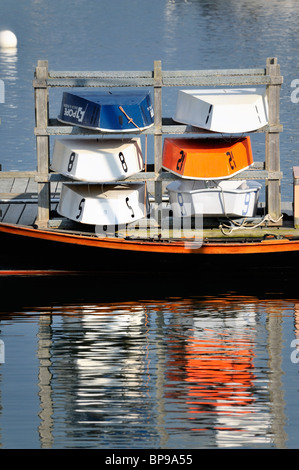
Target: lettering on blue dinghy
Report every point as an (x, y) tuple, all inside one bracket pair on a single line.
[(79, 111)]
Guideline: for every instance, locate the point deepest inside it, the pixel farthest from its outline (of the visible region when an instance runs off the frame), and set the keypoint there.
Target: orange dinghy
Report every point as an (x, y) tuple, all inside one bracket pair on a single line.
[(208, 158)]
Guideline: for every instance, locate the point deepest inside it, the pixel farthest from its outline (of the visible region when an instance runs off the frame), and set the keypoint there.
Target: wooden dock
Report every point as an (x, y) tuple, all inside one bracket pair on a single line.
[(19, 198), (19, 205)]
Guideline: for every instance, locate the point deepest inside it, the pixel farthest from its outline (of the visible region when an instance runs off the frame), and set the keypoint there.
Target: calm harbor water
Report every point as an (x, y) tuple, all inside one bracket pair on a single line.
[(179, 374), (193, 371)]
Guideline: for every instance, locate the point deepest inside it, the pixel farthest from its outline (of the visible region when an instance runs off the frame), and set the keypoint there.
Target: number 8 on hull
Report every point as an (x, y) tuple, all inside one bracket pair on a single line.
[(97, 160)]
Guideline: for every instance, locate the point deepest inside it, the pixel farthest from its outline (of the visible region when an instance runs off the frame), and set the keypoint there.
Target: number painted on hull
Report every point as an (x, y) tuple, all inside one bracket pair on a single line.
[(181, 204), (80, 208), (231, 160), (71, 161), (123, 162), (246, 204), (181, 160), (130, 207)]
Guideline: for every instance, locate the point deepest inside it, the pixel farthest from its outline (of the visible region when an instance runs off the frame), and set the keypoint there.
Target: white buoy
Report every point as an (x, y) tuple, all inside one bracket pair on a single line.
[(8, 40)]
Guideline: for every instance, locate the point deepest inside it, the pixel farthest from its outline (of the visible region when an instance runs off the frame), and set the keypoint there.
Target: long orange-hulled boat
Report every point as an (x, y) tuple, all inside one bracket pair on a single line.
[(179, 258), (39, 266), (207, 158)]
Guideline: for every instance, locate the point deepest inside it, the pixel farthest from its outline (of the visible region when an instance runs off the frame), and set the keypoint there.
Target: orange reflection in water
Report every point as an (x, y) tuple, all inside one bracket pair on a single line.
[(220, 372), (215, 362)]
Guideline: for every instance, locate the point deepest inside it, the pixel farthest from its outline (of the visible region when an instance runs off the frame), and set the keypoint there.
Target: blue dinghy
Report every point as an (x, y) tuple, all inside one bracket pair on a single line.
[(108, 111)]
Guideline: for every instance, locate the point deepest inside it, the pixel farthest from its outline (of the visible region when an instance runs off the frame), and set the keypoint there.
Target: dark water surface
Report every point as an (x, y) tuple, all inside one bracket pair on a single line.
[(205, 370)]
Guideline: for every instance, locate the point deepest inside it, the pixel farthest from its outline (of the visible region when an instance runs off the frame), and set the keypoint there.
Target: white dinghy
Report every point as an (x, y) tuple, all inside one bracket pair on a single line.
[(209, 199), (235, 110), (97, 160), (103, 204)]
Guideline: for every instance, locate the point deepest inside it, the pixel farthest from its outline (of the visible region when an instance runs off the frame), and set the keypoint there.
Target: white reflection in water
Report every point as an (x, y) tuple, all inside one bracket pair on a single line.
[(8, 62), (179, 374)]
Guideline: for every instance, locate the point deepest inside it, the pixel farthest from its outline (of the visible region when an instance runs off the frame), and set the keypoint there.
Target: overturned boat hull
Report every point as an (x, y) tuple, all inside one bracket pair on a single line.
[(210, 158), (103, 204), (235, 110), (225, 199), (97, 160), (241, 260), (111, 111)]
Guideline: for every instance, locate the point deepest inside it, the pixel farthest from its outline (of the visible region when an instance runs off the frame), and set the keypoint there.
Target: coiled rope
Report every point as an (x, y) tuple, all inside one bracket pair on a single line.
[(243, 226)]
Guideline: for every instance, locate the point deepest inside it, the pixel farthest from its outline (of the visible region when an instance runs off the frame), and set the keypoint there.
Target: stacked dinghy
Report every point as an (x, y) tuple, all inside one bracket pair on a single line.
[(108, 111), (103, 204), (99, 166), (210, 158), (230, 198), (230, 111), (97, 160), (208, 163)]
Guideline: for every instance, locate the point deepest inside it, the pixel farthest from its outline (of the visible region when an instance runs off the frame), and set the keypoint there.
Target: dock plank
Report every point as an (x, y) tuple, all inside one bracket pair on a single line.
[(56, 188), (3, 210), (20, 185), (28, 214), (13, 213), (31, 186), (6, 184)]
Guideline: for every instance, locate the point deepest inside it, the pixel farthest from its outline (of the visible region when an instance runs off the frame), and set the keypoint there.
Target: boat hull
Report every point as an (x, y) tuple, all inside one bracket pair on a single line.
[(235, 110), (227, 198), (111, 111), (103, 204), (87, 267), (47, 267), (116, 248), (210, 158), (97, 160)]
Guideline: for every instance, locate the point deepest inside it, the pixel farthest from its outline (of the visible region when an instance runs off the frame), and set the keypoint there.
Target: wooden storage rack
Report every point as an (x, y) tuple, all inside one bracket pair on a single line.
[(157, 79)]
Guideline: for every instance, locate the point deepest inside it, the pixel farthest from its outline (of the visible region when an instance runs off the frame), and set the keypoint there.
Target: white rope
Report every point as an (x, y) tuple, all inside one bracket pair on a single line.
[(243, 225)]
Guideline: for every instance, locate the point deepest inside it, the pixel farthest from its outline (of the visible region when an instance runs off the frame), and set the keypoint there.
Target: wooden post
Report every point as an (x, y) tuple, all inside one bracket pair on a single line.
[(158, 134), (42, 143), (272, 159)]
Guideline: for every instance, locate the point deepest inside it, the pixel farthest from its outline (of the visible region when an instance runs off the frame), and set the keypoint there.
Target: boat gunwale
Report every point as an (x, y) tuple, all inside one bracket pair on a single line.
[(166, 246)]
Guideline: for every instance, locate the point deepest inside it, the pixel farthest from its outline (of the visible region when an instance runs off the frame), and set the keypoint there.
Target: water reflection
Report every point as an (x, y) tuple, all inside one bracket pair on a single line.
[(8, 62), (9, 75), (217, 364), (10, 106), (181, 374)]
